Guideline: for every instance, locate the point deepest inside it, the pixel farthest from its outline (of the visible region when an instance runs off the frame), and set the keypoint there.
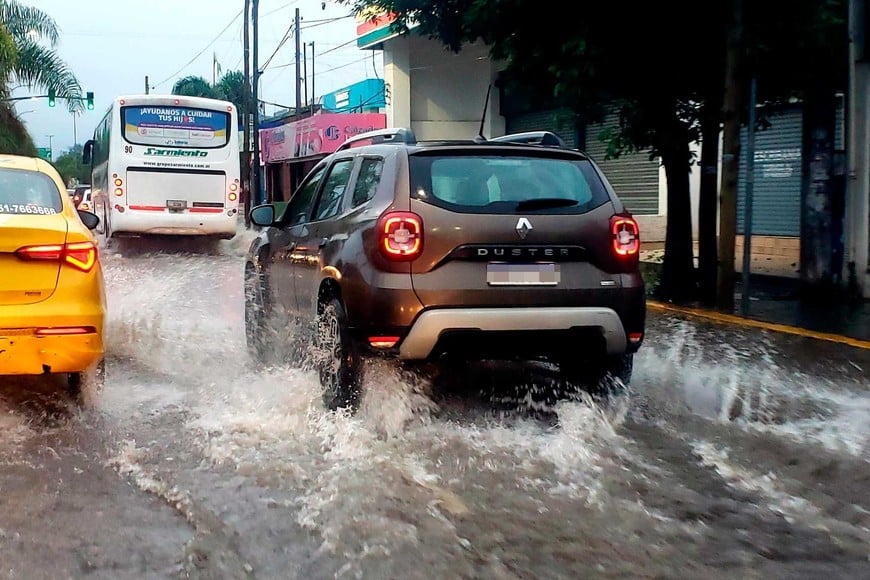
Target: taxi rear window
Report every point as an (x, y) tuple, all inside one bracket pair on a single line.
[(28, 193)]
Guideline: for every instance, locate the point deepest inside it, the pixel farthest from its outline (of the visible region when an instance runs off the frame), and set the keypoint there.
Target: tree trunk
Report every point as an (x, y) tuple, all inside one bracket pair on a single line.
[(708, 202), (822, 200), (678, 282)]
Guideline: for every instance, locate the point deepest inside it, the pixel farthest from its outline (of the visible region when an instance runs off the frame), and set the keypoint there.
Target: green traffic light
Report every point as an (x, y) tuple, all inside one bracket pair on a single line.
[(52, 98), (90, 99)]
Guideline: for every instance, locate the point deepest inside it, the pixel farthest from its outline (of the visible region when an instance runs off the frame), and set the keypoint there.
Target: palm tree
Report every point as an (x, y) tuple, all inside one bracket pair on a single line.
[(194, 86), (28, 37), (230, 87)]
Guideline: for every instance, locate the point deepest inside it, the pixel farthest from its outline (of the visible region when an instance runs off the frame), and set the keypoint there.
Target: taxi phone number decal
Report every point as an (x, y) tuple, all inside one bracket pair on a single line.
[(26, 209)]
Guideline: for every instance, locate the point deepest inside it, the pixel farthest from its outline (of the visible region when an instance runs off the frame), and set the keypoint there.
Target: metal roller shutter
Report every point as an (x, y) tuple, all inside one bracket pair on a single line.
[(776, 195), (634, 177), (557, 121)]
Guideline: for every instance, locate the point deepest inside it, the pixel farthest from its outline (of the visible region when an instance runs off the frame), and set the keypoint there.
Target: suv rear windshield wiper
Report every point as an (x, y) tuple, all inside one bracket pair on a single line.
[(545, 203)]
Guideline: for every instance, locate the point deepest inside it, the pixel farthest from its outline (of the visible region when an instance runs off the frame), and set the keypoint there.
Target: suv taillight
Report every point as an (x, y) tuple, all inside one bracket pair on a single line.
[(626, 236), (80, 255), (400, 236)]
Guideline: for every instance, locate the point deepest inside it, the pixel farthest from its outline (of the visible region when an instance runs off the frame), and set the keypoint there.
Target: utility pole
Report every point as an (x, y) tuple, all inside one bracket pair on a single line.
[(305, 71), (147, 85), (747, 202), (256, 187), (730, 158), (298, 71), (75, 131), (313, 94), (246, 118)]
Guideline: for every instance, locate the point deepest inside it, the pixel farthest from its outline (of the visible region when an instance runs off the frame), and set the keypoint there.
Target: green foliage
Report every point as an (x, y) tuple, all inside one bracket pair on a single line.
[(30, 62), (70, 166), (14, 138), (195, 86), (230, 87)]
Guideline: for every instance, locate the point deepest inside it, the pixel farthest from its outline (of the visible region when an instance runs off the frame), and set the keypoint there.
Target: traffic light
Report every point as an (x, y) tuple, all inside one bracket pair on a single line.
[(52, 98), (90, 99)]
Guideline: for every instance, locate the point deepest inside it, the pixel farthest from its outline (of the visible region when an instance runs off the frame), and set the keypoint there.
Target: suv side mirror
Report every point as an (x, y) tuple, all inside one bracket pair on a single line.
[(263, 215), (88, 152)]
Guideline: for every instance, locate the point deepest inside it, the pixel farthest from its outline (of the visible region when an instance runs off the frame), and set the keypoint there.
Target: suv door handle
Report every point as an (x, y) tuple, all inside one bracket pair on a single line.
[(323, 242)]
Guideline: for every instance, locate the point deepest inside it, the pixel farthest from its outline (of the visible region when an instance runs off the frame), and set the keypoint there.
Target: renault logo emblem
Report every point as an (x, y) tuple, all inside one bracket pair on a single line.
[(524, 226)]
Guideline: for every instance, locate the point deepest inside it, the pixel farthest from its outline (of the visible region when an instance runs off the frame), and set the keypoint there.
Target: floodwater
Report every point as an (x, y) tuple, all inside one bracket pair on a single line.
[(736, 454)]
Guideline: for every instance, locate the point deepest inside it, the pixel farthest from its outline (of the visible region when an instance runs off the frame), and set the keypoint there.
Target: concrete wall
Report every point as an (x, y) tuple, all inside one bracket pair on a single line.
[(437, 93)]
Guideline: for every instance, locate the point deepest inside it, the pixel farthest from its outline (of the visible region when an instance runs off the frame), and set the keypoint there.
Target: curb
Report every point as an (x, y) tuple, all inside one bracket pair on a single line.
[(752, 323)]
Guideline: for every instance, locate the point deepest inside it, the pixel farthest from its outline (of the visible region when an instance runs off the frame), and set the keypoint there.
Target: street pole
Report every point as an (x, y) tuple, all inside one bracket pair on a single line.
[(256, 188), (246, 118), (747, 202), (298, 67), (147, 85), (305, 70), (75, 132), (313, 94), (730, 158)]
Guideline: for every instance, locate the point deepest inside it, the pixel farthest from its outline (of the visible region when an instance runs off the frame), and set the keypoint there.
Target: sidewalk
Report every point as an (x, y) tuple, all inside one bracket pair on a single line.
[(775, 304)]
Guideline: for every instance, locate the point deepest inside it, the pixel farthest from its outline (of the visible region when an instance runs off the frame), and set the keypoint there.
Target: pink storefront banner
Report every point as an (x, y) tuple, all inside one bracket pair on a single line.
[(315, 135)]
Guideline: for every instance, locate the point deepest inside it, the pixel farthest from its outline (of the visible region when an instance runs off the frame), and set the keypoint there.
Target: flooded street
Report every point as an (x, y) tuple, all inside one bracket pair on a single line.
[(737, 454)]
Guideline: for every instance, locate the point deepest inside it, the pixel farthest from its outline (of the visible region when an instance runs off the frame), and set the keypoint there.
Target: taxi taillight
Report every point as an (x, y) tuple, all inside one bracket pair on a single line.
[(79, 255)]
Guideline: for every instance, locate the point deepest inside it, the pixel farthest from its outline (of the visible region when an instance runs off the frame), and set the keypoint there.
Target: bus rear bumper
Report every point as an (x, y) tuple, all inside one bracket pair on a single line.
[(137, 222)]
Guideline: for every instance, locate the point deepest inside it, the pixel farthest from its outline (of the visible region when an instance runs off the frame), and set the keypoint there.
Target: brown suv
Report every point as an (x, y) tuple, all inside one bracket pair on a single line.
[(512, 248)]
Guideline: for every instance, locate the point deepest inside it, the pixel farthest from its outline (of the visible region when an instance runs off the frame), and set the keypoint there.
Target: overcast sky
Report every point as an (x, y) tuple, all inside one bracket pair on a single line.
[(111, 45)]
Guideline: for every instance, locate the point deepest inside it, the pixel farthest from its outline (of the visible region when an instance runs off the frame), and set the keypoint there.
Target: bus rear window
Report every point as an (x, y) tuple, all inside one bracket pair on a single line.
[(166, 126)]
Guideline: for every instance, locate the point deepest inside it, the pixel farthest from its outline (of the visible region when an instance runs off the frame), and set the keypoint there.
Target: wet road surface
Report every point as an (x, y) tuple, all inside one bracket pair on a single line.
[(737, 454)]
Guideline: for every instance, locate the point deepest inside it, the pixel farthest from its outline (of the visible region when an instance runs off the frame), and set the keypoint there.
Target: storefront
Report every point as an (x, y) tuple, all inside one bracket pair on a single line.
[(290, 150)]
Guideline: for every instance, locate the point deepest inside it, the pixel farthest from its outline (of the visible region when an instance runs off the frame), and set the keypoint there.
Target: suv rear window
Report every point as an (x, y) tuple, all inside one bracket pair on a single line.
[(28, 192), (502, 183)]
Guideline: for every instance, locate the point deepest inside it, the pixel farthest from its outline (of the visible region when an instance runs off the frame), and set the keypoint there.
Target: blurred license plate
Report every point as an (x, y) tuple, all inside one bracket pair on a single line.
[(176, 203), (501, 274)]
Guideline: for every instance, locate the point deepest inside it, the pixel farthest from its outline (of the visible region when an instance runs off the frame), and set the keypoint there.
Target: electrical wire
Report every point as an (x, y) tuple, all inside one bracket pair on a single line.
[(200, 53)]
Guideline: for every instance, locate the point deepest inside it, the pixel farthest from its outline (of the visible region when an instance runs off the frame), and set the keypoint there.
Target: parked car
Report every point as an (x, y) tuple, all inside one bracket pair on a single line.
[(52, 295), (512, 248)]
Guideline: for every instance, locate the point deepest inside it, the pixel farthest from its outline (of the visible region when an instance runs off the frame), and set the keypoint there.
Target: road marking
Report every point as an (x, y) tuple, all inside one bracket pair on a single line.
[(772, 326)]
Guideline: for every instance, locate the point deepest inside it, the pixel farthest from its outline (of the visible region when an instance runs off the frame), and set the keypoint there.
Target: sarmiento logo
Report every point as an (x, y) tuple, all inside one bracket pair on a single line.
[(176, 152)]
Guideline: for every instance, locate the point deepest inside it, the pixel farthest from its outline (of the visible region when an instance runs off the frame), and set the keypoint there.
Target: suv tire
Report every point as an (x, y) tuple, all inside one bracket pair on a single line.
[(599, 380), (256, 317), (338, 360), (84, 385)]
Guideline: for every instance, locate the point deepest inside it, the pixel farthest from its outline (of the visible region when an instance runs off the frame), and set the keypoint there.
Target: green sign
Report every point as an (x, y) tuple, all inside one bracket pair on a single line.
[(45, 153)]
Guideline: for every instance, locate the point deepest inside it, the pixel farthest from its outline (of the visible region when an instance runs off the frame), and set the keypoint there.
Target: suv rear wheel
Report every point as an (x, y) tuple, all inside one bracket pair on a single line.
[(602, 379), (255, 315), (338, 360)]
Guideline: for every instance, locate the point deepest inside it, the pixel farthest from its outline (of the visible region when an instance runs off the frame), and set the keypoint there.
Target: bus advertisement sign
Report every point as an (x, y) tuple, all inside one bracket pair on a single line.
[(175, 126)]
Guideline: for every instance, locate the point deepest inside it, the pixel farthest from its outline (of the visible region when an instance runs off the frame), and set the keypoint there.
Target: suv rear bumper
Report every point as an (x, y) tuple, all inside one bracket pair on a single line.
[(430, 325)]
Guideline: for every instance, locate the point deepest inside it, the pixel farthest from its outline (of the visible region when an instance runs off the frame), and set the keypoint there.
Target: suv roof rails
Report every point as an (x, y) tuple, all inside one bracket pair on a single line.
[(398, 135), (545, 138)]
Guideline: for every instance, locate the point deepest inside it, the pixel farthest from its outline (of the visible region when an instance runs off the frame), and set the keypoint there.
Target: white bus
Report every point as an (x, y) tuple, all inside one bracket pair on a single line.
[(166, 165)]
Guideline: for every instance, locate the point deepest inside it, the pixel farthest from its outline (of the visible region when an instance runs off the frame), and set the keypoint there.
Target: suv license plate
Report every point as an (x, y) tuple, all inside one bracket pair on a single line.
[(503, 274), (176, 204)]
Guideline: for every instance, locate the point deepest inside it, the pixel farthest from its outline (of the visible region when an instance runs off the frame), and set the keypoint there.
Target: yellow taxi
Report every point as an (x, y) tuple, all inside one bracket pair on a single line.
[(52, 293)]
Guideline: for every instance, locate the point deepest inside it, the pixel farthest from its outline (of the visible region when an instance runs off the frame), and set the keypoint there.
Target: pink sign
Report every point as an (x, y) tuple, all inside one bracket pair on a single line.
[(316, 135)]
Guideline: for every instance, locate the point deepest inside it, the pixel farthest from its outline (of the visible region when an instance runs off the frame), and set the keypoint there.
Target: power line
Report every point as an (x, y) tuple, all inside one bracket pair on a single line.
[(287, 36), (279, 9), (315, 23), (200, 53)]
